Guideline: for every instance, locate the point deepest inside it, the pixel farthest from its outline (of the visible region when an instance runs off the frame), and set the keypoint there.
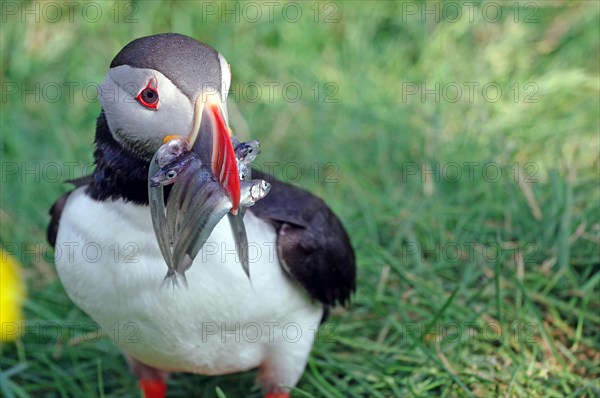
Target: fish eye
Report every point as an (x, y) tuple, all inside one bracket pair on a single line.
[(171, 174)]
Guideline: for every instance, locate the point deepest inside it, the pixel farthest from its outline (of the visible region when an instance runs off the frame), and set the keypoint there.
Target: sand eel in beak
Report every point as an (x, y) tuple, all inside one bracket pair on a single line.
[(200, 203)]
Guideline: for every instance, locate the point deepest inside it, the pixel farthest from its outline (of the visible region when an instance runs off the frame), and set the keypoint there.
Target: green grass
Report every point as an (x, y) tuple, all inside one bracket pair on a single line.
[(445, 263)]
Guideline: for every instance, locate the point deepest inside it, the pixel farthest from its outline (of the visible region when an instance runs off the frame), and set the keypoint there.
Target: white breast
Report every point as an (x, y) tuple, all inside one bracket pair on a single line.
[(109, 262)]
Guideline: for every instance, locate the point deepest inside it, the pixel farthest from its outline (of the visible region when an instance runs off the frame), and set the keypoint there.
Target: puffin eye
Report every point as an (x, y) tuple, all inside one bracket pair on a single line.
[(148, 97)]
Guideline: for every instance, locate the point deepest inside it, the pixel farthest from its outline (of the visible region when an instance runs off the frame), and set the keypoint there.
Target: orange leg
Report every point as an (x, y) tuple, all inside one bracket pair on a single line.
[(278, 395), (156, 388), (152, 382)]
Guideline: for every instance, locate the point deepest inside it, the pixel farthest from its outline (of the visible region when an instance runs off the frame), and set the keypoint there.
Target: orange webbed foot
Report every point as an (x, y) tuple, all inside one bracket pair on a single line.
[(278, 395), (155, 388)]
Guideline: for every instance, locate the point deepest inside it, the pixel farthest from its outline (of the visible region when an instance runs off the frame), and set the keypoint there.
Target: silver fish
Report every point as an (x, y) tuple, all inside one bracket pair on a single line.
[(169, 173), (171, 150), (156, 200), (204, 203), (196, 203), (167, 164), (173, 157), (253, 191), (246, 152)]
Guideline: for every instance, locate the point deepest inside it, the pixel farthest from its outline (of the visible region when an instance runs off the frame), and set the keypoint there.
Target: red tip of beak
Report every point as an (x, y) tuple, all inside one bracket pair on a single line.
[(223, 159)]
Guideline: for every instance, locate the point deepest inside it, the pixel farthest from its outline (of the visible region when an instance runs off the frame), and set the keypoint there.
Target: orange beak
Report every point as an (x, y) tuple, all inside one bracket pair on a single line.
[(210, 128)]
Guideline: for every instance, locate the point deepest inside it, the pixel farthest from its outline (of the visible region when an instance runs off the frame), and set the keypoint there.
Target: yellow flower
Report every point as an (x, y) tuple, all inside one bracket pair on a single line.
[(12, 295)]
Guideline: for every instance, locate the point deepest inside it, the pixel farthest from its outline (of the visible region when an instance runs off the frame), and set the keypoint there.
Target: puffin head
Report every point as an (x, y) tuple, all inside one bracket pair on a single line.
[(164, 85)]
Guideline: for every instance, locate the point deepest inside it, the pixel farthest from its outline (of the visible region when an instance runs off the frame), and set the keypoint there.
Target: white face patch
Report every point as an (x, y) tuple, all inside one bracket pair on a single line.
[(132, 124)]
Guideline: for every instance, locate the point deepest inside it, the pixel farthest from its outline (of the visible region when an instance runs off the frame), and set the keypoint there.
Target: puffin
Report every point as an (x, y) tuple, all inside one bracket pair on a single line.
[(301, 258)]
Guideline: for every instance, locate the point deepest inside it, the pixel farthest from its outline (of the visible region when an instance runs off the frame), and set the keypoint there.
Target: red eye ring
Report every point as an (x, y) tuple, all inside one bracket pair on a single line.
[(148, 97)]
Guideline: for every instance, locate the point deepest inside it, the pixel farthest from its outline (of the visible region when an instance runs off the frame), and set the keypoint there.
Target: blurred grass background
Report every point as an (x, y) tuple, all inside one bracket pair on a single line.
[(468, 285)]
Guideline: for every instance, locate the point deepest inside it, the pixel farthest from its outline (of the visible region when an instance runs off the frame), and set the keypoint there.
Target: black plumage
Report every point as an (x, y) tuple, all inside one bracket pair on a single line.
[(118, 173), (311, 241)]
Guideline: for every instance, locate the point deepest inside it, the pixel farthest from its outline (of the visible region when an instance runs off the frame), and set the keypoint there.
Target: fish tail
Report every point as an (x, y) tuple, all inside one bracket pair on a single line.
[(171, 279), (184, 280)]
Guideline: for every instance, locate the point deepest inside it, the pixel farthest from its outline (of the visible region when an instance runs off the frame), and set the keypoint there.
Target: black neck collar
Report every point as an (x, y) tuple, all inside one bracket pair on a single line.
[(118, 173)]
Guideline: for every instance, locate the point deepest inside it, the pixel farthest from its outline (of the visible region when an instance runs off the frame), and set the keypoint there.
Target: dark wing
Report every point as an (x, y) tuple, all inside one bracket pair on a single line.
[(58, 206), (311, 241)]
